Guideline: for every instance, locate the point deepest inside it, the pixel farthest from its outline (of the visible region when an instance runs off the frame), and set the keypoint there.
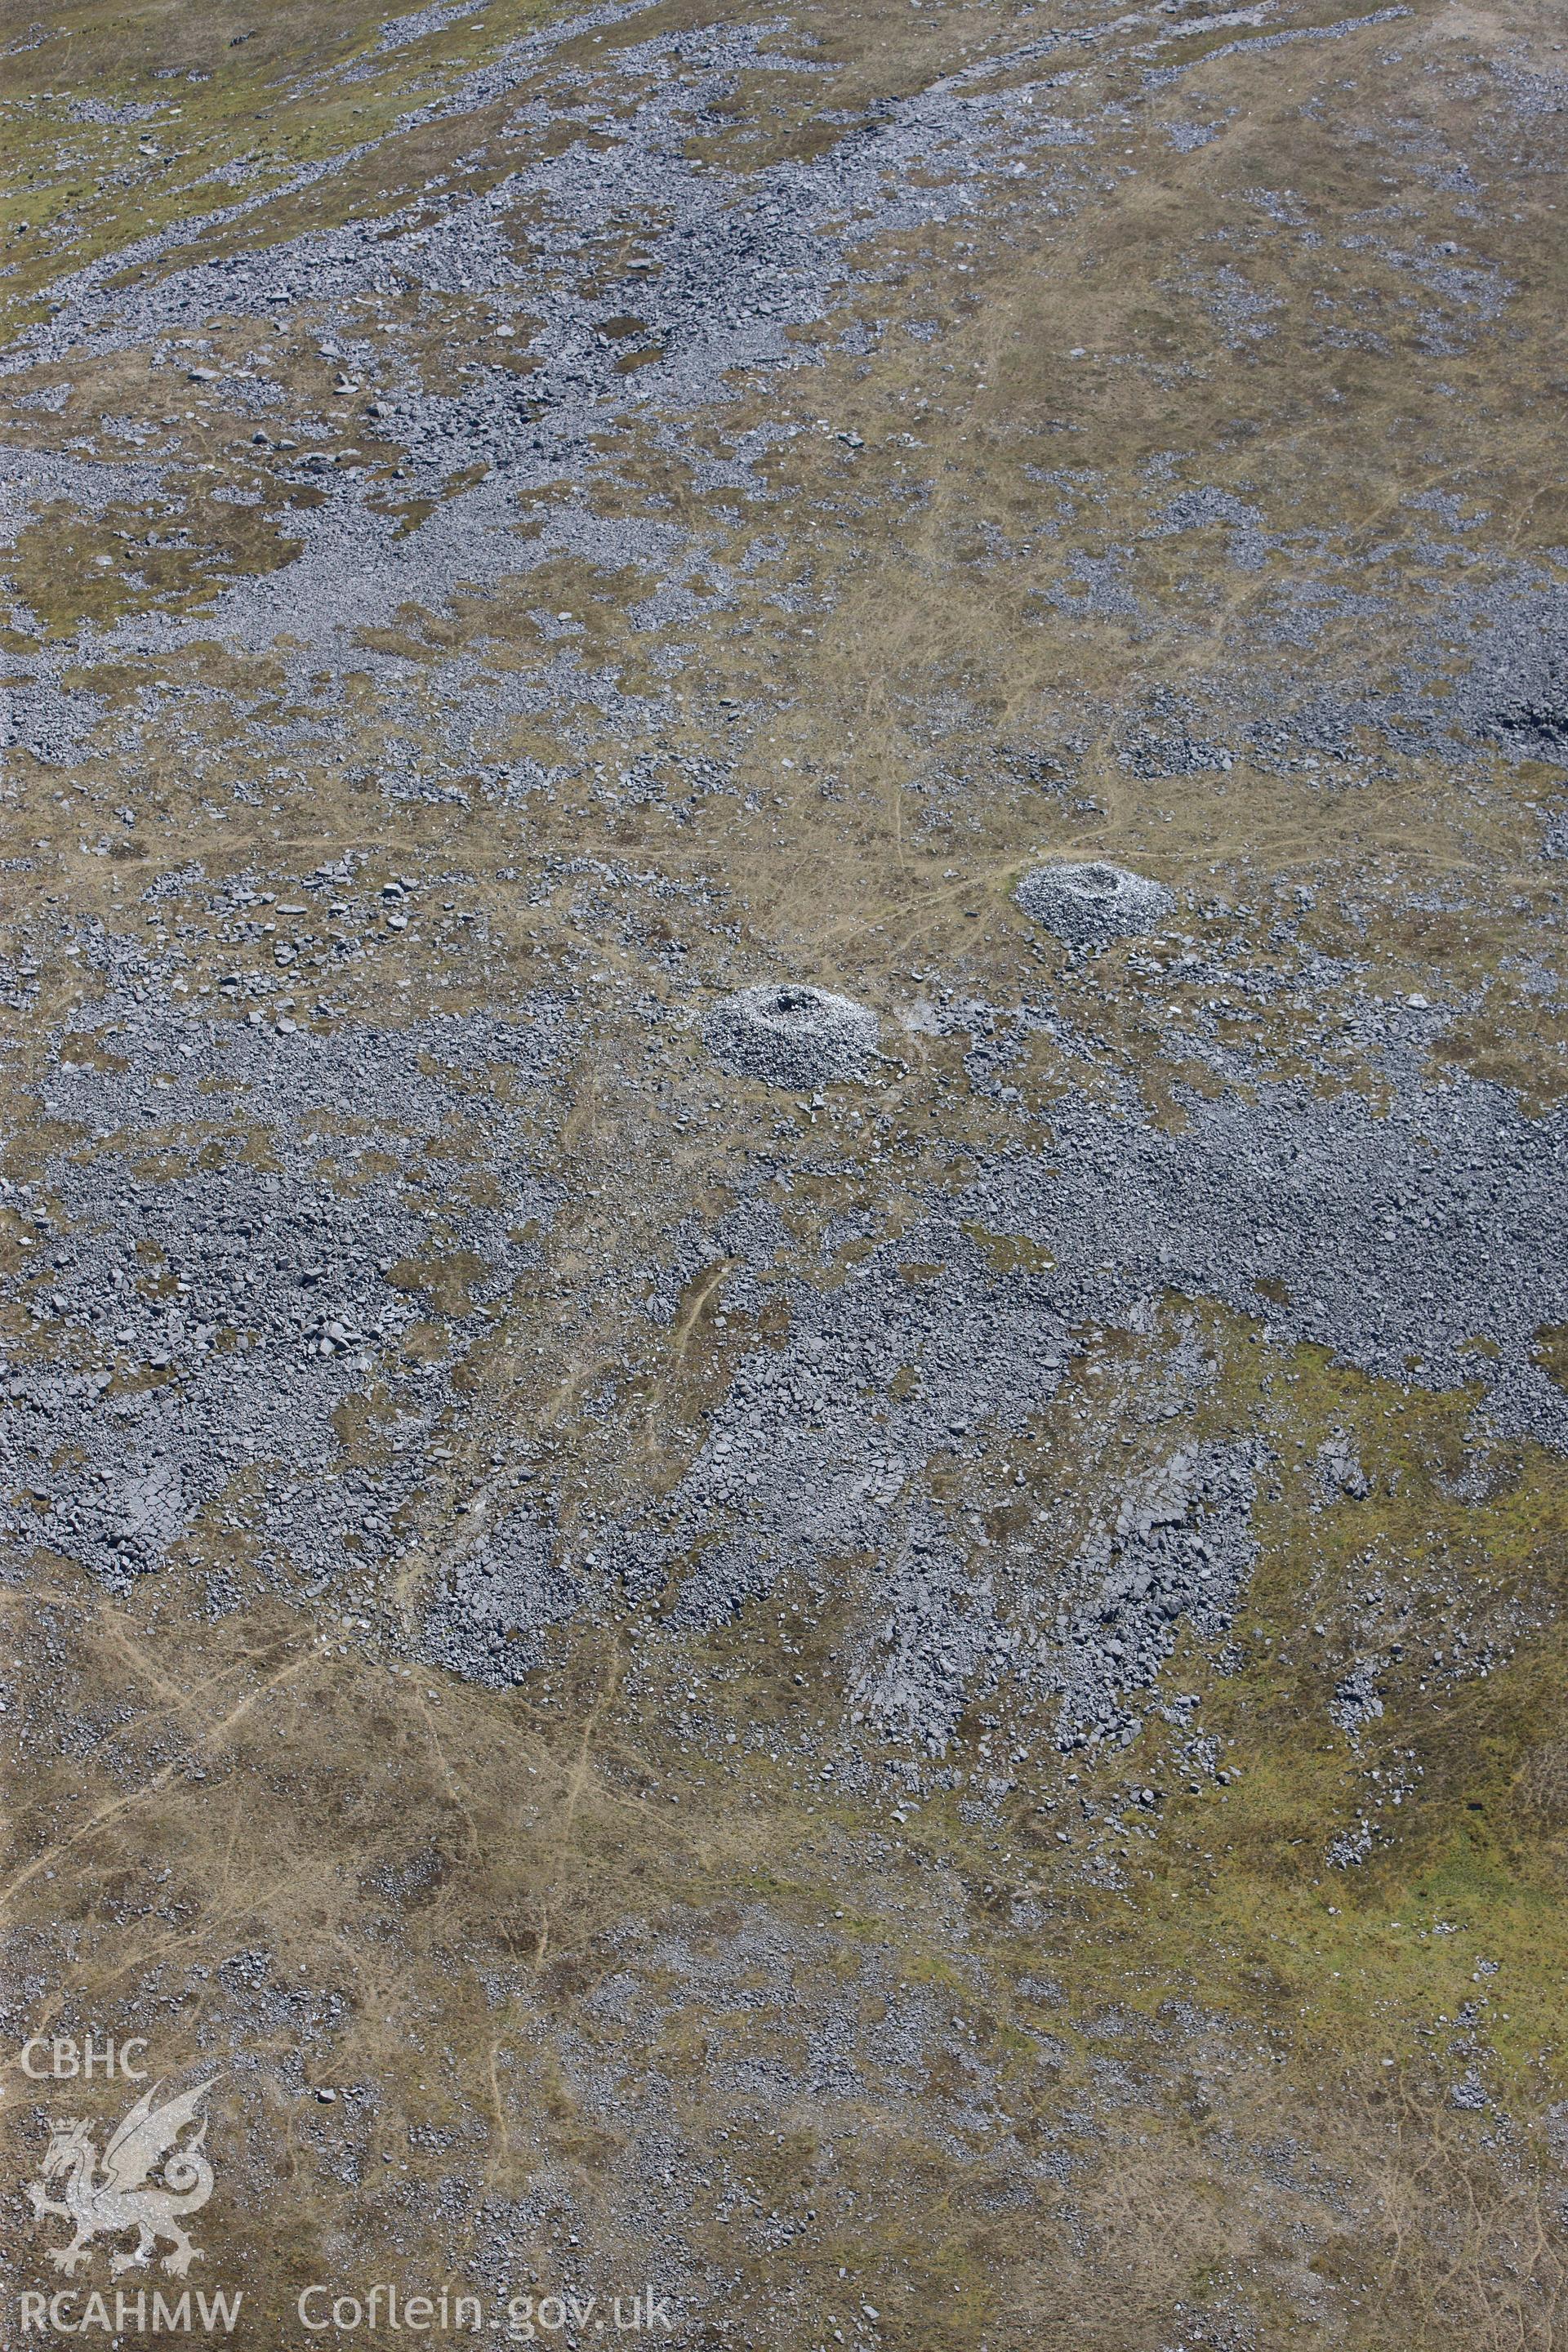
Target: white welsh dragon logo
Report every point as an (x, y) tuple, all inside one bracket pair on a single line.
[(120, 2198)]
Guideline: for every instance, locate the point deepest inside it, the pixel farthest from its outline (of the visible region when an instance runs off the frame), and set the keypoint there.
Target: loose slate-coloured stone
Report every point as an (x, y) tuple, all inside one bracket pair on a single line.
[(1087, 904), (788, 1034)]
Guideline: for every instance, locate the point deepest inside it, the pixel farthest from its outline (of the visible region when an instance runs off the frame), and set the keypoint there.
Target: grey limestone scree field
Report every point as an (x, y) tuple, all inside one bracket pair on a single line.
[(783, 1175)]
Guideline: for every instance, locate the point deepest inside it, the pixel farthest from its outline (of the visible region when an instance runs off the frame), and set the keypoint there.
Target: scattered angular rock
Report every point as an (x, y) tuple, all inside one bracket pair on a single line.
[(788, 1035), (940, 1633), (1086, 905), (1338, 1471), (1182, 1547), (1357, 1699), (485, 1614), (280, 1310)]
